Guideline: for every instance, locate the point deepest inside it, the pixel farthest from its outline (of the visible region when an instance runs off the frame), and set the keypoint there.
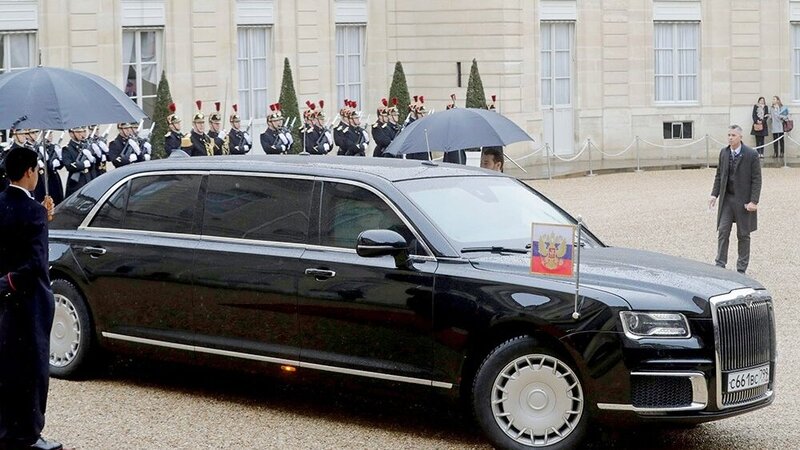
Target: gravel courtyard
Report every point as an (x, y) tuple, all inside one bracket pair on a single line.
[(140, 404)]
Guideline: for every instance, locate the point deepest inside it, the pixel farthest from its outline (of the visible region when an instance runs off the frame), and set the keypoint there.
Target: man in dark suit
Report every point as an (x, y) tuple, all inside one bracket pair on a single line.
[(26, 307), (737, 184)]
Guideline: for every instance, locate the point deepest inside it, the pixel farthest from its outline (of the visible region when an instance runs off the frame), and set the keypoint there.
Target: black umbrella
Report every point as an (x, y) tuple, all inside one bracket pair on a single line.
[(457, 129), (58, 99)]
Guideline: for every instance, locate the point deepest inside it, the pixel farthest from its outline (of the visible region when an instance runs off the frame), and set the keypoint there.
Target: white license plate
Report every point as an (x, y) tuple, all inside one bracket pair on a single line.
[(746, 379)]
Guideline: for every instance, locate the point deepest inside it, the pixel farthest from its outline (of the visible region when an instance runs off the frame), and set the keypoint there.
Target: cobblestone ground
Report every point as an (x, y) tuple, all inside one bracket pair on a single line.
[(137, 404)]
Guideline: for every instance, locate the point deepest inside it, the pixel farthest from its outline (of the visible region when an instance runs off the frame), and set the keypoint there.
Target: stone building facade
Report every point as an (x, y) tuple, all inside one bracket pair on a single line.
[(668, 71)]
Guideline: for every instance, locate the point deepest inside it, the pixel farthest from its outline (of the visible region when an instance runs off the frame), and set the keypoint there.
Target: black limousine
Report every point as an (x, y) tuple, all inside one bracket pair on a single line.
[(406, 271)]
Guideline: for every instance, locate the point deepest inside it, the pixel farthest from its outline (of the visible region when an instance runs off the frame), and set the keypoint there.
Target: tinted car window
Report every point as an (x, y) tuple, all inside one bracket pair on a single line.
[(259, 208), (110, 214), (348, 210), (70, 213), (164, 203)]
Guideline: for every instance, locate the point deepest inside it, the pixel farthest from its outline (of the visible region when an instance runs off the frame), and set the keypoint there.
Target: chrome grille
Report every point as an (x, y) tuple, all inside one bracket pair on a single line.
[(744, 338), (745, 335)]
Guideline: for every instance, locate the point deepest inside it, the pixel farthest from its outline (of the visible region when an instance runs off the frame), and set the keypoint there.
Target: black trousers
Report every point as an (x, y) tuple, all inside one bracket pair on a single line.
[(778, 144), (727, 218), (760, 143)]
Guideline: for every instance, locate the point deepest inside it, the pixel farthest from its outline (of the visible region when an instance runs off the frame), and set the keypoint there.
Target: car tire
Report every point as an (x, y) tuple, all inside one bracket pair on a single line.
[(71, 336), (526, 396)]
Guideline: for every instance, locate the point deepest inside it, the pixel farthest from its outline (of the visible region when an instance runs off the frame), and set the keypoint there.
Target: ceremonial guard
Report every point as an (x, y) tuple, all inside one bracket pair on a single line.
[(490, 106), (78, 159), (340, 129), (49, 155), (276, 139), (239, 141), (124, 149), (97, 144), (324, 143), (202, 144), (172, 140), (309, 131), (458, 156), (416, 111), (355, 139), (383, 130), (214, 132)]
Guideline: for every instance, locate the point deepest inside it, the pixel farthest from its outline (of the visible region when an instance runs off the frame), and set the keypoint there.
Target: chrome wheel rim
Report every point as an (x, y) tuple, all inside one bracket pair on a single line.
[(537, 400), (65, 335)]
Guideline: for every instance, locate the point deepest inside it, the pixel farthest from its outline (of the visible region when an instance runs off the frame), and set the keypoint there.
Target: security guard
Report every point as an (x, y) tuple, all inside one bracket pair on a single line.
[(276, 139), (355, 140), (202, 144), (172, 140), (309, 131), (78, 159), (125, 149), (342, 128), (215, 132), (239, 141), (382, 131), (417, 111)]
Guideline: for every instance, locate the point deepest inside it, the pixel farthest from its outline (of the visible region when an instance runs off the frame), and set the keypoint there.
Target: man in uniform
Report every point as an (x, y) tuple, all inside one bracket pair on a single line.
[(202, 144), (172, 140), (458, 156), (342, 128), (355, 139), (382, 130), (416, 111), (215, 132), (310, 131), (124, 149), (78, 160), (50, 160), (239, 141), (276, 139), (26, 307)]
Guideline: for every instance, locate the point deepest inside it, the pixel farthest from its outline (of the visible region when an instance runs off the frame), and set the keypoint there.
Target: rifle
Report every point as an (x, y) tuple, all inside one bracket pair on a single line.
[(249, 124)]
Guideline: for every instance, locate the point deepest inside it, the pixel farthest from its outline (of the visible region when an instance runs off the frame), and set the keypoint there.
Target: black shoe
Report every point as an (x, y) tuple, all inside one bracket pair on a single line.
[(44, 444)]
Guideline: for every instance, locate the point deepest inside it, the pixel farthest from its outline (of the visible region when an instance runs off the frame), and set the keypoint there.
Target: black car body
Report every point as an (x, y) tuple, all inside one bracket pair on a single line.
[(359, 266)]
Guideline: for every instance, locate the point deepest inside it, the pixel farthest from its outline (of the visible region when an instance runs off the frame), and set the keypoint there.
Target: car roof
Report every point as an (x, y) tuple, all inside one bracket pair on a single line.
[(391, 169)]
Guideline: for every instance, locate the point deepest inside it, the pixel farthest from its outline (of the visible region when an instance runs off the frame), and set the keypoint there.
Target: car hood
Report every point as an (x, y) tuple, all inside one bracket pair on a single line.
[(646, 280)]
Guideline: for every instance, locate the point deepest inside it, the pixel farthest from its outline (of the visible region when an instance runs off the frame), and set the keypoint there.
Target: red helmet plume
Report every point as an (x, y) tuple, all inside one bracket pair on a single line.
[(172, 107), (321, 104), (235, 107), (199, 104)]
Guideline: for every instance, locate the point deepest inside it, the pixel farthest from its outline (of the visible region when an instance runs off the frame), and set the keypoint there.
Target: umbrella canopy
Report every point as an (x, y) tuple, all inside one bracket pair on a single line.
[(457, 129), (59, 99)]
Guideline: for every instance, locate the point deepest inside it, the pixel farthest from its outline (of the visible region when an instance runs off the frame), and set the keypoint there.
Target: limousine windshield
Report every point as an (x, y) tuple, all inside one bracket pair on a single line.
[(483, 211)]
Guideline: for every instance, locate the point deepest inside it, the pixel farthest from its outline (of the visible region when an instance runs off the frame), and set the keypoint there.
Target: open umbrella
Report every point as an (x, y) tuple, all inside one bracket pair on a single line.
[(457, 129), (58, 99)]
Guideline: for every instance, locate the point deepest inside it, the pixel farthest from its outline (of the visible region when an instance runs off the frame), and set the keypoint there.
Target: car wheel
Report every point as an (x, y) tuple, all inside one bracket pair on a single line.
[(526, 396), (71, 334)]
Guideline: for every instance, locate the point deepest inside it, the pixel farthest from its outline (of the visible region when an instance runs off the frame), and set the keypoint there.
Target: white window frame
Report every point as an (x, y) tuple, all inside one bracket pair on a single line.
[(551, 55), (140, 97), (255, 110), (6, 62), (795, 27), (346, 84), (676, 77)]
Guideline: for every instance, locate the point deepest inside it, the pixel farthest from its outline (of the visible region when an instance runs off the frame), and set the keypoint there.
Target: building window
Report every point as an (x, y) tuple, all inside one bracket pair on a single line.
[(678, 130), (17, 50), (254, 69), (350, 62), (141, 66), (677, 59), (556, 63), (796, 60)]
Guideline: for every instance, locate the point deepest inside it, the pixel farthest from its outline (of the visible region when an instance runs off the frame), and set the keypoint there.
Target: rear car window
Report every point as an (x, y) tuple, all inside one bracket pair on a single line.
[(258, 208), (162, 203)]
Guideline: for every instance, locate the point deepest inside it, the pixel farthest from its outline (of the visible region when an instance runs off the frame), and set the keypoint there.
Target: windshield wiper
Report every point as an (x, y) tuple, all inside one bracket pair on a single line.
[(494, 250)]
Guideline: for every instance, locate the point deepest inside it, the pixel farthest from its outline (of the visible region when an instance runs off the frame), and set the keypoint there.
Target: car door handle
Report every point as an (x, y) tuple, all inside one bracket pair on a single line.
[(321, 274), (94, 251)]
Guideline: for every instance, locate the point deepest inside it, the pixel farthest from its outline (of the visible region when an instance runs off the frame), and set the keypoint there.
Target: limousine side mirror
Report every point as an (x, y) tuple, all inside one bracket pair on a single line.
[(372, 243)]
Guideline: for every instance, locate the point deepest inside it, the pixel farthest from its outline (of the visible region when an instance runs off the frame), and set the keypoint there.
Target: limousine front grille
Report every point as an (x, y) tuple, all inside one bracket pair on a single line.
[(744, 333)]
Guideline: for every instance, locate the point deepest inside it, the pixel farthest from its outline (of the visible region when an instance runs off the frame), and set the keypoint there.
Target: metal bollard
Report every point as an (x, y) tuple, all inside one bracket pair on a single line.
[(708, 160), (547, 155), (638, 161), (589, 145)]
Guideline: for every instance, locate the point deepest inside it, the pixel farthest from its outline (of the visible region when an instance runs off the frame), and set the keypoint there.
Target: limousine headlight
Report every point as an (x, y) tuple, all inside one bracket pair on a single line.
[(639, 325)]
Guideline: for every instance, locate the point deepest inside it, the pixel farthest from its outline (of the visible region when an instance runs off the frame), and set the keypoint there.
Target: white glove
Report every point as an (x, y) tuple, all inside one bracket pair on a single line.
[(103, 158), (364, 147), (326, 147), (103, 146), (329, 136), (59, 151), (56, 164), (248, 139), (246, 148), (96, 149), (147, 157), (283, 138), (147, 148), (290, 139), (87, 164), (88, 154), (133, 158), (40, 163), (134, 145)]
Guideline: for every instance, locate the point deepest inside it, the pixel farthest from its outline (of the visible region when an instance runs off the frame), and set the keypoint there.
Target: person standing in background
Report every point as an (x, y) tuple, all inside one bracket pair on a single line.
[(759, 130), (778, 113)]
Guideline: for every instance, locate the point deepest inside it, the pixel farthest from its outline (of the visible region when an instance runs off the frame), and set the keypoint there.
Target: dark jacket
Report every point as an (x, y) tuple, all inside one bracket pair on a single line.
[(172, 141), (747, 186), (271, 142), (199, 144), (54, 187), (353, 142), (77, 172), (310, 135), (119, 153), (338, 137), (218, 142), (26, 316), (383, 134), (239, 142), (764, 131)]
